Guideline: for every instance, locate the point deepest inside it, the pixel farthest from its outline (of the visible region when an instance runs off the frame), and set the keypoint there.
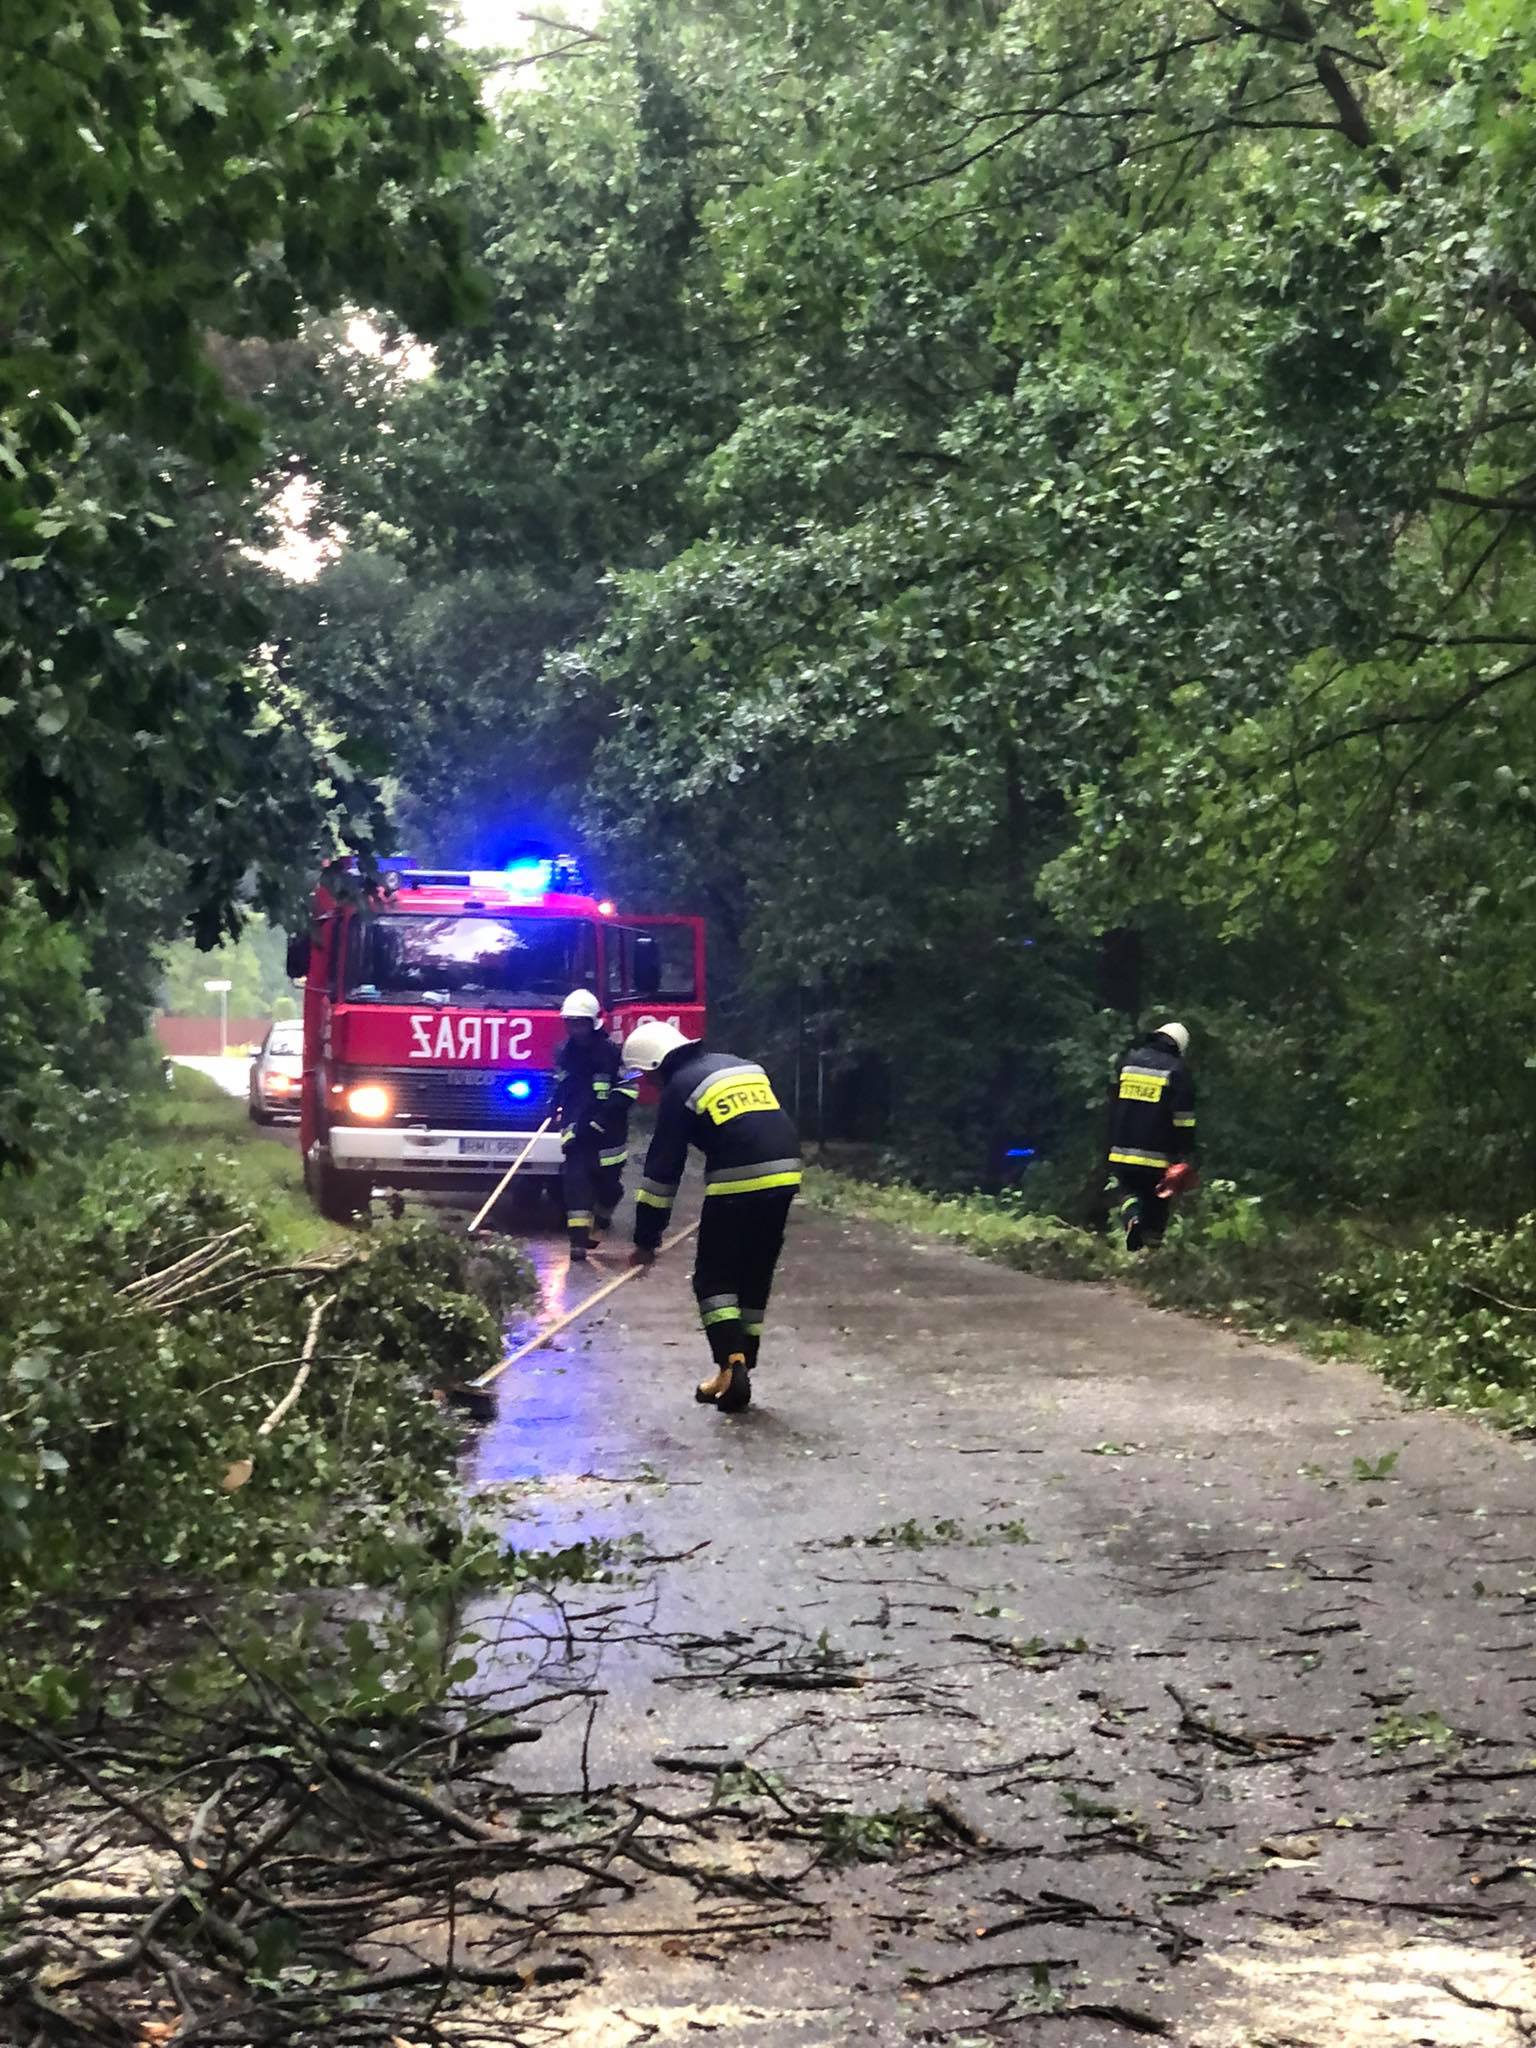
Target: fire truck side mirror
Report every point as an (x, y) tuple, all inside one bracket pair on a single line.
[(298, 956), (647, 965)]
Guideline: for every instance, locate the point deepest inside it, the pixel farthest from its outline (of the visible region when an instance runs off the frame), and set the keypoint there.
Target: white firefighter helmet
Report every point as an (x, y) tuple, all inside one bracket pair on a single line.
[(581, 1003), (1178, 1033), (649, 1043)]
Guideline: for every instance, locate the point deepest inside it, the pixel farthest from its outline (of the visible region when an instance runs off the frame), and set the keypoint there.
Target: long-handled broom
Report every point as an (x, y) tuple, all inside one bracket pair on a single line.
[(475, 1396), (506, 1179)]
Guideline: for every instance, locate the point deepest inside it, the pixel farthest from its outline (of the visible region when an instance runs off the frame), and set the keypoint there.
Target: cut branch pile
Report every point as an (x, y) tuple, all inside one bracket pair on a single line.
[(279, 1879), (220, 1271)]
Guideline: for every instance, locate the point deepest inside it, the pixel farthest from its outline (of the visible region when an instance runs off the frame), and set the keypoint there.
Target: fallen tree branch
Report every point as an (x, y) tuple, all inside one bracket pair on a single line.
[(424, 1803), (153, 1282), (241, 1470), (306, 1364)]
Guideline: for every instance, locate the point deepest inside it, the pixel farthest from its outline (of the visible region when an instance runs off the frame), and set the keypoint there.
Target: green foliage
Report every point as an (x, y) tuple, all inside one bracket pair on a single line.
[(182, 190), (1452, 1318), (1373, 1470), (1397, 1731), (1038, 1653), (1262, 1265), (908, 1535), (555, 440), (876, 1837), (255, 964), (913, 1534), (194, 1127), (47, 1030), (1011, 472), (124, 1412)]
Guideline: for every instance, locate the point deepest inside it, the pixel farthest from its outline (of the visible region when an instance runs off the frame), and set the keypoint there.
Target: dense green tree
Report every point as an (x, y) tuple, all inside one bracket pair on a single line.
[(1068, 470), (557, 440), (179, 187)]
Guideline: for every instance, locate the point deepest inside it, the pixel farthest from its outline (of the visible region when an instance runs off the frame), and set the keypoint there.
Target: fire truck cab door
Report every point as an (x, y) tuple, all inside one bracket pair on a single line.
[(655, 970)]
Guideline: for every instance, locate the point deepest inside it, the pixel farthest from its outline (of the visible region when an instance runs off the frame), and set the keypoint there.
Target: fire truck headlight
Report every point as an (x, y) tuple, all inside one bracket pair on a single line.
[(370, 1101)]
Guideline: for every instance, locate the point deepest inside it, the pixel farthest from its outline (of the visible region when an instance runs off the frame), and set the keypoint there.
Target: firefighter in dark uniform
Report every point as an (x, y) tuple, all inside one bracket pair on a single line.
[(585, 1107), (613, 1150), (1152, 1134), (726, 1107)]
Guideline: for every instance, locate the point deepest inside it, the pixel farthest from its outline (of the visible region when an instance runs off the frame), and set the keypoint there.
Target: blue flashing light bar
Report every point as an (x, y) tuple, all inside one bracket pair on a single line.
[(519, 1090), (1020, 1152), (528, 877)]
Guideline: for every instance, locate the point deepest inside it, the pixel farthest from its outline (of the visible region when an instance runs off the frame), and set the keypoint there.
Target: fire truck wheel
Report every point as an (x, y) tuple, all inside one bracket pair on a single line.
[(340, 1197)]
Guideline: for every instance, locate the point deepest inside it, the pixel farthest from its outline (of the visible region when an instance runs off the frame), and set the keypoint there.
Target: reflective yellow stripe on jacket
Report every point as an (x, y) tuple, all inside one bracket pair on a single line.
[(751, 1180)]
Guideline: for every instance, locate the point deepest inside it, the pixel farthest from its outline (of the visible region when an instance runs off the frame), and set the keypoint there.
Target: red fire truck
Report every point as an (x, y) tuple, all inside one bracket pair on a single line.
[(432, 1017)]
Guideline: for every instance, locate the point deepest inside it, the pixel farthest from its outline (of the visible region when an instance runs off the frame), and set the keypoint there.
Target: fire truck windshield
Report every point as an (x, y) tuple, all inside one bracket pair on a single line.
[(479, 961)]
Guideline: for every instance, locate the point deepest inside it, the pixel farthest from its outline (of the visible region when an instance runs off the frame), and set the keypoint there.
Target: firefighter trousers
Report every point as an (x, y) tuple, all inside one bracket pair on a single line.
[(581, 1174), (592, 1182), (607, 1188), (1142, 1210), (740, 1238)]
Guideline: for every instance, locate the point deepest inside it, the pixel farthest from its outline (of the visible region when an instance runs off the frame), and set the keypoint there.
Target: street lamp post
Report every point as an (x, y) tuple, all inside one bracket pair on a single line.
[(221, 990)]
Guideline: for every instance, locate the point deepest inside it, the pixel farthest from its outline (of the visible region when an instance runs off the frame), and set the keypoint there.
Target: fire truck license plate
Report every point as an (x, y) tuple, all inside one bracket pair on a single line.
[(489, 1148)]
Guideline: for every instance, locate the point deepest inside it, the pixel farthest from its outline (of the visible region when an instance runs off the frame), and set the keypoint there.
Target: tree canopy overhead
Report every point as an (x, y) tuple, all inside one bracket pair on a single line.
[(184, 189), (932, 485), (943, 483)]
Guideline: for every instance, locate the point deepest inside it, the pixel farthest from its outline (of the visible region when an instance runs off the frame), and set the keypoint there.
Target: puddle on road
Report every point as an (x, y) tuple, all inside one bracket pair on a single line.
[(552, 1439), (546, 1450)]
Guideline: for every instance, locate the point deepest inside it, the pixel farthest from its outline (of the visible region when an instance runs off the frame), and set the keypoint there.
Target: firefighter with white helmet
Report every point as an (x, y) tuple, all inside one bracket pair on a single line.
[(591, 1105), (727, 1108), (1152, 1134)]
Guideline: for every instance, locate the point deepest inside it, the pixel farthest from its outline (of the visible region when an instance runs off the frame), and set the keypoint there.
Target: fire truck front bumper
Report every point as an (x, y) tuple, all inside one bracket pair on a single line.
[(416, 1156)]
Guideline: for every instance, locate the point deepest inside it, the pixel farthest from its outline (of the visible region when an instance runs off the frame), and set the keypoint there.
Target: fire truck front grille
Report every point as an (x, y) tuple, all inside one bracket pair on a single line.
[(469, 1100)]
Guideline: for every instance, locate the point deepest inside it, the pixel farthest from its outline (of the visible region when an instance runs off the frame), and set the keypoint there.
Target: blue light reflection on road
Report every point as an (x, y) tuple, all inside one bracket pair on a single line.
[(570, 1468), (549, 1422)]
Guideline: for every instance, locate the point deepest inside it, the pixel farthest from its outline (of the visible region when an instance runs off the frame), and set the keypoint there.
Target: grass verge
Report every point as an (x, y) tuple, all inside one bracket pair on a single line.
[(990, 1226), (194, 1124)]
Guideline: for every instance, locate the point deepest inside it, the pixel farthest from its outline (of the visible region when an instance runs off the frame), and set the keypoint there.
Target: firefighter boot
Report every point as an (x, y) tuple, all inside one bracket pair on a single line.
[(580, 1227), (729, 1389)]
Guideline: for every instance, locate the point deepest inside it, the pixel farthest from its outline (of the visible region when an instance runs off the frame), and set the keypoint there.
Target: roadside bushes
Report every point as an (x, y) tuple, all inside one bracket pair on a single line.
[(1453, 1316), (149, 1323), (1239, 1256)]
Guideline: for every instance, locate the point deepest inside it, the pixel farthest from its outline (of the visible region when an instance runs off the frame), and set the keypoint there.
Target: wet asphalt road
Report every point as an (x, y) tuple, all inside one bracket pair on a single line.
[(1208, 1734)]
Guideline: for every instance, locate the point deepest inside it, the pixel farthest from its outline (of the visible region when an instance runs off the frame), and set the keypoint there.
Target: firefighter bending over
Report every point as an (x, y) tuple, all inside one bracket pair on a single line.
[(592, 1103), (1152, 1135), (727, 1108)]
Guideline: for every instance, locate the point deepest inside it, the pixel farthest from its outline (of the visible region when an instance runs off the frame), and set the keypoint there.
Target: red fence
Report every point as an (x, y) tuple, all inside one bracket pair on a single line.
[(199, 1036)]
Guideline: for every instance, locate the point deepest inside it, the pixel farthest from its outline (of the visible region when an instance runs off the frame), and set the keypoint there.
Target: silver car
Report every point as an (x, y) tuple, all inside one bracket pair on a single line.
[(277, 1074)]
